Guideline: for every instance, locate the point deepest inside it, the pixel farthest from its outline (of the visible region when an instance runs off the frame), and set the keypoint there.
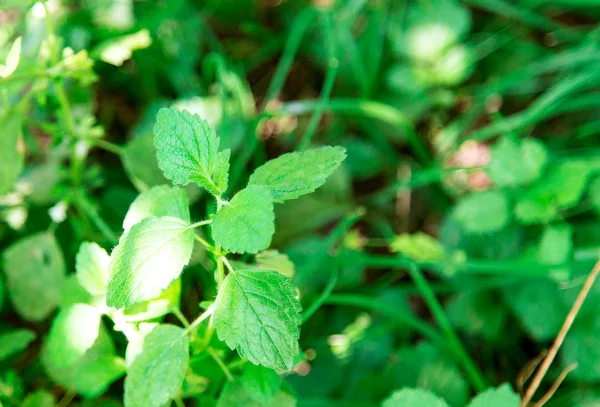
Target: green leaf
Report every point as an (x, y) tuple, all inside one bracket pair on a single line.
[(276, 261), (246, 224), (260, 383), (483, 212), (73, 333), (413, 398), (11, 155), (91, 265), (235, 394), (156, 374), (159, 201), (418, 246), (139, 161), (188, 150), (506, 171), (502, 396), (39, 398), (35, 270), (12, 59), (156, 307), (444, 380), (594, 193), (148, 257), (257, 313), (14, 342), (295, 174)]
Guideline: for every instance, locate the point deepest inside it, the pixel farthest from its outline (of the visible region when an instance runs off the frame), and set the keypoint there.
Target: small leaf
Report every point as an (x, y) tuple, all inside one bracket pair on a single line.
[(73, 333), (39, 398), (413, 398), (257, 313), (91, 265), (261, 383), (12, 59), (156, 374), (418, 246), (35, 271), (246, 224), (187, 150), (11, 155), (14, 342), (505, 171), (502, 396), (483, 212), (148, 257), (295, 174), (276, 261), (159, 201)]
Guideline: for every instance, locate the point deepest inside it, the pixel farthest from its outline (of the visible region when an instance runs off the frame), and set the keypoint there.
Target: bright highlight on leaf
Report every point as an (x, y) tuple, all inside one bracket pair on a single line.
[(502, 396), (91, 265), (156, 374), (246, 224), (257, 313), (295, 174), (148, 257), (188, 150), (158, 201)]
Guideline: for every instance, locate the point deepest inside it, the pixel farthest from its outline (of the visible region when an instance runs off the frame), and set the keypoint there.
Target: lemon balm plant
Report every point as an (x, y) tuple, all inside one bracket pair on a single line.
[(255, 312)]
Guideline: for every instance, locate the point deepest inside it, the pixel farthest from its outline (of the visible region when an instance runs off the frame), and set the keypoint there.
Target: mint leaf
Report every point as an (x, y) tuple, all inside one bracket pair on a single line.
[(413, 398), (73, 333), (159, 201), (483, 212), (35, 270), (506, 171), (188, 150), (11, 156), (156, 374), (246, 224), (148, 257), (261, 383), (257, 313), (276, 261), (91, 265), (295, 174), (502, 396), (14, 342)]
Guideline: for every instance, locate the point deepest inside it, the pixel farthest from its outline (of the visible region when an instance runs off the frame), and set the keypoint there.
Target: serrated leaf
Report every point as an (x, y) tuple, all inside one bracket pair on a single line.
[(35, 270), (257, 313), (156, 307), (14, 342), (148, 257), (295, 174), (11, 155), (156, 374), (483, 212), (221, 177), (158, 201), (91, 265), (502, 396), (74, 331), (261, 383), (246, 224), (413, 398), (188, 150), (506, 171)]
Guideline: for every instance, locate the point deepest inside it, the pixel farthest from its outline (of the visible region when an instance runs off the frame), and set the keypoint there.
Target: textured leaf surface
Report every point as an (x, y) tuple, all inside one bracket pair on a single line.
[(148, 257), (13, 342), (276, 261), (502, 396), (413, 398), (35, 270), (295, 174), (157, 202), (11, 156), (261, 383), (246, 224), (156, 374), (74, 331), (257, 313), (188, 150), (91, 265)]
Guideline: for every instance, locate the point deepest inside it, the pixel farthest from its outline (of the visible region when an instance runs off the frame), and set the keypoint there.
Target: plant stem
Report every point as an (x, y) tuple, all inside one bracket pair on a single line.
[(220, 272), (200, 318), (314, 307), (545, 365), (177, 312), (201, 223), (222, 365), (469, 366)]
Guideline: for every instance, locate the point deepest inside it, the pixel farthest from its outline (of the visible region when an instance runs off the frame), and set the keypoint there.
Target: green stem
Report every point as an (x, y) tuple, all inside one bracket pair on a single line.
[(220, 272), (177, 312), (473, 374), (219, 361), (200, 318), (96, 219), (314, 307), (201, 223), (330, 76)]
